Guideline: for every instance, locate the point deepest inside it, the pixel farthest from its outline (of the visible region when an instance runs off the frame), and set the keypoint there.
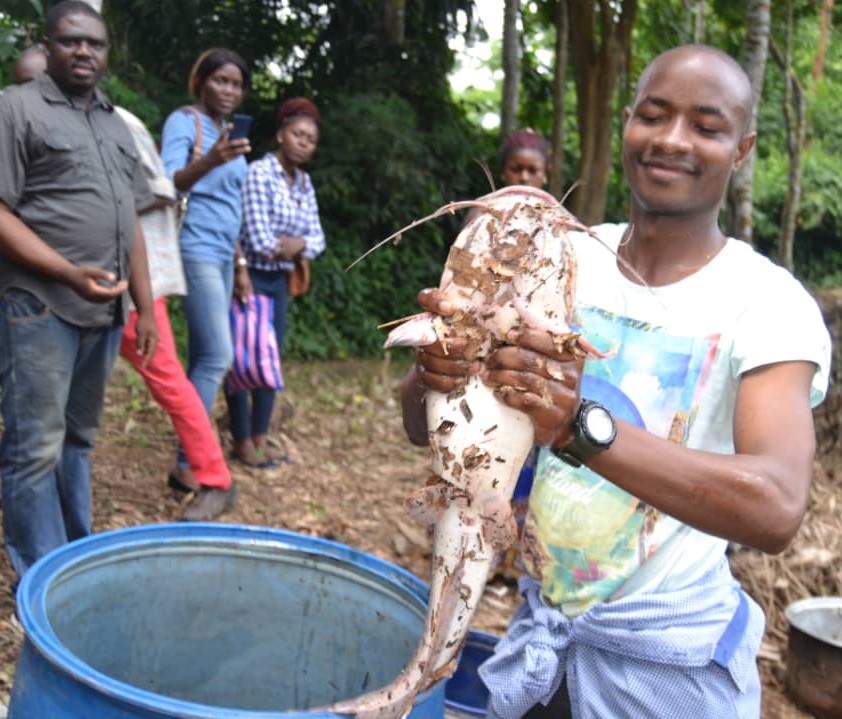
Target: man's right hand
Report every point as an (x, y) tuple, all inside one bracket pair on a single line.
[(96, 285), (442, 366)]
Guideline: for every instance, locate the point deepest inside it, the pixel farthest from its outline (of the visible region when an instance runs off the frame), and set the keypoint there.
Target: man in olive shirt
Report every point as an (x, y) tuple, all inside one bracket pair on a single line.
[(70, 247)]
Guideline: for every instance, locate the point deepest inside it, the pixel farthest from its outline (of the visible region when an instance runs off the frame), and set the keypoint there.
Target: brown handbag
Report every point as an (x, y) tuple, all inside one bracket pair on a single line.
[(298, 280)]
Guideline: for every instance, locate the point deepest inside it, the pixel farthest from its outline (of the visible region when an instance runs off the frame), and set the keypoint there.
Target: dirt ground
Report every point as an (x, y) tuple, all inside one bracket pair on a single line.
[(353, 468)]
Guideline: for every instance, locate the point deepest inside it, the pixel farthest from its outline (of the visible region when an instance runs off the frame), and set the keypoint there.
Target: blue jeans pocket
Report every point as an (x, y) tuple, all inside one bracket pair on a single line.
[(23, 306)]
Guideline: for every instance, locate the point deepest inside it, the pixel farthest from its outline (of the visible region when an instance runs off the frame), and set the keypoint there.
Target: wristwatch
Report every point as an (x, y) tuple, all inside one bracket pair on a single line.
[(241, 262), (594, 431)]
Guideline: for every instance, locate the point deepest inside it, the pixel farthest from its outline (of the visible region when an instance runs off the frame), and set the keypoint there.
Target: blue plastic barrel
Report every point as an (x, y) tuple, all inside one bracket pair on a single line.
[(212, 621), (465, 694)]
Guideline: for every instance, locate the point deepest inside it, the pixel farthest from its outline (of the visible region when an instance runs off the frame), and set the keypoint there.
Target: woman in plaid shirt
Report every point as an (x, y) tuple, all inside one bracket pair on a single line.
[(280, 222)]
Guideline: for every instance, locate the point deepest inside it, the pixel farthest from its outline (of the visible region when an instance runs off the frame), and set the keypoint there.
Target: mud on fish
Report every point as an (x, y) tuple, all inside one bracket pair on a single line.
[(511, 267)]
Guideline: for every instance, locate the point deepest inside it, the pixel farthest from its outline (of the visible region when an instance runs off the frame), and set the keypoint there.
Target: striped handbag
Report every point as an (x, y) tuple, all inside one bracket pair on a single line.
[(257, 362)]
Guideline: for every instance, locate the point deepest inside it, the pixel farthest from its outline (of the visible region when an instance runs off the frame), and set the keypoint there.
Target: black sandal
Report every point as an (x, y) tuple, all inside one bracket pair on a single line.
[(173, 482)]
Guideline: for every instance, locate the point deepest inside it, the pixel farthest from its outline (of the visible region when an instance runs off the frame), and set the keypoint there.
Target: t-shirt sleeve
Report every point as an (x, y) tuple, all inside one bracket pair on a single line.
[(160, 184), (141, 190), (784, 324), (177, 140)]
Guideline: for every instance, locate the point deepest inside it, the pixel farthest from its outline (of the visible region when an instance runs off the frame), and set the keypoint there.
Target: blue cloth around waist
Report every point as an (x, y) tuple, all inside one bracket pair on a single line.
[(708, 633)]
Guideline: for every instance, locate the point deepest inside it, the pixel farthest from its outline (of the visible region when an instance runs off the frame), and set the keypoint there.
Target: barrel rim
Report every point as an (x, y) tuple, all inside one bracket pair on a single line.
[(36, 583)]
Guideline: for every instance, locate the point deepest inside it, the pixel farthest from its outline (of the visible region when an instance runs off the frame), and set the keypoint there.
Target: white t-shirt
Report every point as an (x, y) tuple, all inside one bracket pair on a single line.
[(677, 353), (159, 226)]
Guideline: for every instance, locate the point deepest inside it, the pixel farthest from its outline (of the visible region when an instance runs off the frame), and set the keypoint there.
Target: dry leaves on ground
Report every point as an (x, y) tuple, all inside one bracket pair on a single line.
[(353, 468)]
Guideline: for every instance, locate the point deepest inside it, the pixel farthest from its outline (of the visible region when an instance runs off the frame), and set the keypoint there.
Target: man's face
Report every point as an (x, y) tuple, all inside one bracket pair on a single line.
[(77, 54), (684, 135)]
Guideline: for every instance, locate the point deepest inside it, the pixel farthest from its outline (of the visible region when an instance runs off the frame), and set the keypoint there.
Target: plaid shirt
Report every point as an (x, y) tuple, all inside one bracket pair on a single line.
[(273, 208)]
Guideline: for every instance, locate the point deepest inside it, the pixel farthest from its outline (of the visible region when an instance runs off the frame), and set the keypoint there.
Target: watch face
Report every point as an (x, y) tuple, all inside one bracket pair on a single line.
[(598, 424)]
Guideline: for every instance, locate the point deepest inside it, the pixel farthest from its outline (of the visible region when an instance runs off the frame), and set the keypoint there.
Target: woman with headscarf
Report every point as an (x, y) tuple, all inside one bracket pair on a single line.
[(280, 223), (525, 158)]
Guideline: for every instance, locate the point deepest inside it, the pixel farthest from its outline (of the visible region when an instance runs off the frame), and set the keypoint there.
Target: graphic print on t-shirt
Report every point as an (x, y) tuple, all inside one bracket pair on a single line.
[(584, 536)]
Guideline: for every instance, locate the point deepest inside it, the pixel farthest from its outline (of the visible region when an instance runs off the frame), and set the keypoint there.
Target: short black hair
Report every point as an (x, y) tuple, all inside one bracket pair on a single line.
[(67, 7)]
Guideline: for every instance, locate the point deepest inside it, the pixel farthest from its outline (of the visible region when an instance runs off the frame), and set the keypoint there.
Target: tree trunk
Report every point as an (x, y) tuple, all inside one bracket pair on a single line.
[(824, 33), (755, 53), (556, 174), (511, 69), (394, 22), (600, 48), (694, 23), (794, 106)]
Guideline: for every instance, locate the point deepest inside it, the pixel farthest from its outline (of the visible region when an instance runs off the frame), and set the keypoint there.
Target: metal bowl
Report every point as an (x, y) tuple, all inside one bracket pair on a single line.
[(814, 655)]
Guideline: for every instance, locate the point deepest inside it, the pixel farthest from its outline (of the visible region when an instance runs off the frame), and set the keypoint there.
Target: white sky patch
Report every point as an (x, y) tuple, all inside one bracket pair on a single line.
[(472, 62)]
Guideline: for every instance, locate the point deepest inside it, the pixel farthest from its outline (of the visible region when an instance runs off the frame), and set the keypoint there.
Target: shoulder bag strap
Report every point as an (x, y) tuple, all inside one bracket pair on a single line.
[(197, 145)]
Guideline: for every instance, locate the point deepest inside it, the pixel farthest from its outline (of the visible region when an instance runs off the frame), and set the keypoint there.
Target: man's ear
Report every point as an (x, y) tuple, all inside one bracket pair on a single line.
[(627, 111), (744, 147)]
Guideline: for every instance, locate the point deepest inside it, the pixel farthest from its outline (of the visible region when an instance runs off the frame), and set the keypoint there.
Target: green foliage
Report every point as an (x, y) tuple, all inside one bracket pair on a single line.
[(376, 171), (818, 255), (397, 145), (20, 27), (142, 106)]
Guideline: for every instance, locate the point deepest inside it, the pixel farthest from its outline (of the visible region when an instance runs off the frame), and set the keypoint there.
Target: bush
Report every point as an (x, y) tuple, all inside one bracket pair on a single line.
[(375, 172)]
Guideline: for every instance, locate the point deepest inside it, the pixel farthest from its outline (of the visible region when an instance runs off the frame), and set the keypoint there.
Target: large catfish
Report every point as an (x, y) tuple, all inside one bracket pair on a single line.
[(510, 267)]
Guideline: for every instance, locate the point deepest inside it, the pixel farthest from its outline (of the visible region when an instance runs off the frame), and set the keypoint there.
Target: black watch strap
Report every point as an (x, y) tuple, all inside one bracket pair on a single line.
[(594, 431)]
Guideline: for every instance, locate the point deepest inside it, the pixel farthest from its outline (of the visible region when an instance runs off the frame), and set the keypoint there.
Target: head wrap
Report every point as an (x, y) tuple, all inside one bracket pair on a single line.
[(525, 139), (298, 107)]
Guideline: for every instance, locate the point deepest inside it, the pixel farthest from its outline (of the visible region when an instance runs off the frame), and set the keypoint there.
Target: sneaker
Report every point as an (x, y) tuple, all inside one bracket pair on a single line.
[(208, 503)]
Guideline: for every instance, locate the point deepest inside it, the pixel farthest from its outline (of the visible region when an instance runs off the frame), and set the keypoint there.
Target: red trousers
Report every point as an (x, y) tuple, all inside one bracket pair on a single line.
[(169, 385)]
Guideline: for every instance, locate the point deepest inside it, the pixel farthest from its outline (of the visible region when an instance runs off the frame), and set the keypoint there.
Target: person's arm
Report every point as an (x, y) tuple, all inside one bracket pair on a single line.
[(243, 286), (159, 203), (757, 496), (412, 393), (140, 289), (21, 245), (258, 194), (223, 150), (436, 367), (311, 243), (313, 235), (177, 139)]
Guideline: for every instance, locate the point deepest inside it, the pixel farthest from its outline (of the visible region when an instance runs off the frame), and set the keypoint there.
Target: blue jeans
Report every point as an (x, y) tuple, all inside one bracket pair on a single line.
[(210, 285), (53, 377), (245, 424)]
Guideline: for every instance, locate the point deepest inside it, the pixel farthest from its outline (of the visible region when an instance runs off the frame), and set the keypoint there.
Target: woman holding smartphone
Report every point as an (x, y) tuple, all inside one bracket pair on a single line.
[(209, 165), (280, 222)]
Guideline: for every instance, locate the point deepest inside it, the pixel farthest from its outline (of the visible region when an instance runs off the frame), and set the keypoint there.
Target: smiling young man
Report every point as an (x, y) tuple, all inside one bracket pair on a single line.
[(694, 430), (71, 246)]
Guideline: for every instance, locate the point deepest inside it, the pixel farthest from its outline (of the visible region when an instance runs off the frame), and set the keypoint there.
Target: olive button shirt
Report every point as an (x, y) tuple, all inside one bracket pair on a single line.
[(74, 177)]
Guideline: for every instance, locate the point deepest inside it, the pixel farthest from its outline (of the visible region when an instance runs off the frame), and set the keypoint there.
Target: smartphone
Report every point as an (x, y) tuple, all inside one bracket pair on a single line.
[(241, 126)]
